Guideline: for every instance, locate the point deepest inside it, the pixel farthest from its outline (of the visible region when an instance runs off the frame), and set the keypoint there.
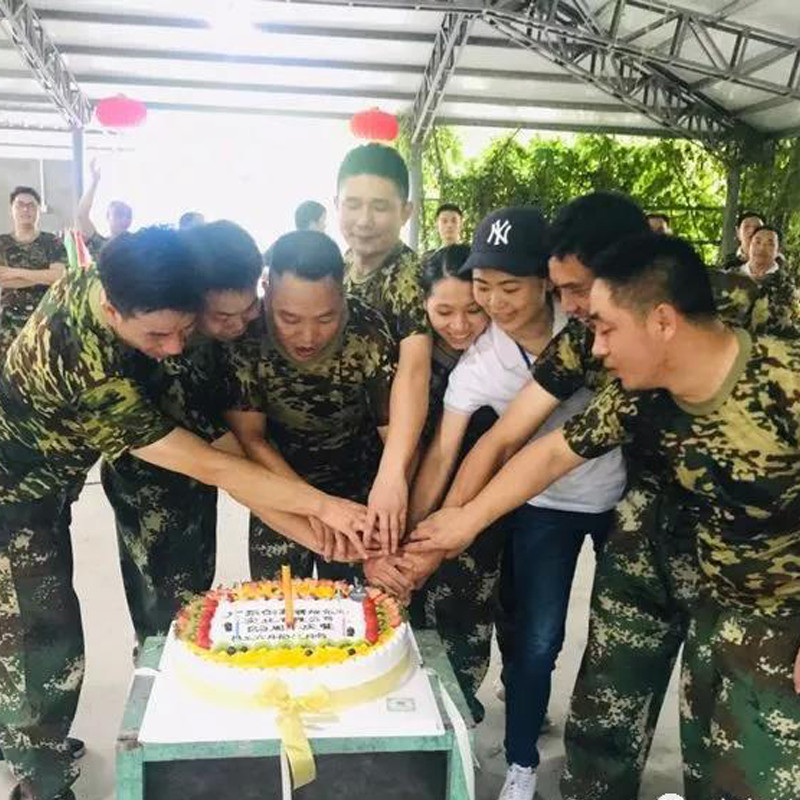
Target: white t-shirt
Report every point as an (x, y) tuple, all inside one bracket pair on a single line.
[(491, 373)]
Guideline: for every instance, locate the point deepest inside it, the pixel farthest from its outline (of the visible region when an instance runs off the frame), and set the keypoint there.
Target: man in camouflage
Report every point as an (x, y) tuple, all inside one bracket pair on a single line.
[(382, 272), (726, 417), (30, 261), (309, 388), (65, 400), (647, 575), (167, 522)]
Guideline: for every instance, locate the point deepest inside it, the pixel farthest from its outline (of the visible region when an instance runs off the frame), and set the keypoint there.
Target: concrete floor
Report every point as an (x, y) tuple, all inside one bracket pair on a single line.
[(109, 638)]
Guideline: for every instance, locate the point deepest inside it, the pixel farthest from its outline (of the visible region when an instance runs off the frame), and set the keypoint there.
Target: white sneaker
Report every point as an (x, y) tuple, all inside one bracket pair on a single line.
[(520, 784)]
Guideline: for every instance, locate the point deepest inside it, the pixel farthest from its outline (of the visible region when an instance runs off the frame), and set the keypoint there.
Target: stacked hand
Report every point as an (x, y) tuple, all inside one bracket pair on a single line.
[(388, 504), (448, 530)]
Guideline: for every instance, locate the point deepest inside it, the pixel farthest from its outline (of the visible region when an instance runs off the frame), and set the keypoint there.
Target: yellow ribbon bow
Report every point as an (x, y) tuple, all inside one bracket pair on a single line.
[(275, 694)]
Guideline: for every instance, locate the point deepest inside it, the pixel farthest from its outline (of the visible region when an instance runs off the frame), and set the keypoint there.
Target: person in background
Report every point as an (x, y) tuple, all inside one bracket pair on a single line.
[(746, 225), (119, 215), (30, 261), (384, 273), (449, 223), (659, 223), (191, 219), (765, 247), (310, 216)]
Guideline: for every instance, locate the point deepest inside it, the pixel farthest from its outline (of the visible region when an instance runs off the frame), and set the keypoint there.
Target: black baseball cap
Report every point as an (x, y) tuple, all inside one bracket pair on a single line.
[(513, 240)]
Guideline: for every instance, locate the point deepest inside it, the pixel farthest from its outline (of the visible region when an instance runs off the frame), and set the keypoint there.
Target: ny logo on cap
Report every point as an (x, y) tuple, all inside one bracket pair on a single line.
[(499, 233)]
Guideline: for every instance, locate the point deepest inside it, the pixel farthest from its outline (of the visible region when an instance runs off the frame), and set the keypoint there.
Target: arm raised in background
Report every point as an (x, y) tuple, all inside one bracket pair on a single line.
[(518, 423), (83, 217), (532, 470), (388, 499)]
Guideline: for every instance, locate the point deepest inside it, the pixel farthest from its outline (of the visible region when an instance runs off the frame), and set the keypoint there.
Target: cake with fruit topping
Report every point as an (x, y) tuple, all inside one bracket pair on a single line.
[(352, 641)]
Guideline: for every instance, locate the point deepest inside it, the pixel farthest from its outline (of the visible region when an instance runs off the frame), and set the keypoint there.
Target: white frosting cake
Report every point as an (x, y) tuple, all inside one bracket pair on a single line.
[(233, 642)]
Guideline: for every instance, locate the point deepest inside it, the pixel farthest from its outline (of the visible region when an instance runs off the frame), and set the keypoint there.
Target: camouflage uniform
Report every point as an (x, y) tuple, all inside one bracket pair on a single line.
[(456, 601), (95, 243), (646, 580), (64, 401), (737, 458), (167, 522), (16, 305), (321, 416), (394, 289)]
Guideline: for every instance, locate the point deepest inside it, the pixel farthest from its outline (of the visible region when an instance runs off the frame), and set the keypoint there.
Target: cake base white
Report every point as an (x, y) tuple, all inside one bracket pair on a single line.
[(176, 714)]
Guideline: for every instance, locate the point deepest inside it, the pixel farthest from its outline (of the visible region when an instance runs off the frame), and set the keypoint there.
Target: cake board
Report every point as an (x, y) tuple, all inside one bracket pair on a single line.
[(163, 752)]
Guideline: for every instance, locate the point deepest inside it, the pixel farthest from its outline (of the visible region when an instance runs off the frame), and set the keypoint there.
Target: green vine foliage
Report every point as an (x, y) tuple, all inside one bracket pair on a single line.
[(679, 178)]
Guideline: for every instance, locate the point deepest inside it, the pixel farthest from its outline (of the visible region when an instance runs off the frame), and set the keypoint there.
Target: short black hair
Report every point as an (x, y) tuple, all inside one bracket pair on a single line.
[(18, 190), (659, 215), (187, 218), (445, 263), (587, 225), (449, 207), (310, 255), (648, 269), (226, 256), (153, 269), (376, 159), (308, 213), (767, 228), (746, 215)]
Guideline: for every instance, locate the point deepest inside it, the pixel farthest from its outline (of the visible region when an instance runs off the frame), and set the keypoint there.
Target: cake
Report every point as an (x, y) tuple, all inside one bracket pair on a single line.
[(351, 641)]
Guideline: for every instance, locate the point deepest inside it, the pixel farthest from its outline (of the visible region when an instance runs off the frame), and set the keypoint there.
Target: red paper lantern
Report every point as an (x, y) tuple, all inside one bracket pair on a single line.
[(375, 125), (120, 112)]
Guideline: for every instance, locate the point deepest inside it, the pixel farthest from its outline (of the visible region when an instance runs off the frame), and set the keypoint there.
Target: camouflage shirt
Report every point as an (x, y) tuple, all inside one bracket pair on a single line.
[(65, 398), (16, 305), (737, 456), (394, 290), (322, 416), (185, 388), (443, 362), (95, 243)]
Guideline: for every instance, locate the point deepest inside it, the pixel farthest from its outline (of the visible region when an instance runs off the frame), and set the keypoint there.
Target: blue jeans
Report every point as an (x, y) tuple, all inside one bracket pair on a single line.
[(538, 566)]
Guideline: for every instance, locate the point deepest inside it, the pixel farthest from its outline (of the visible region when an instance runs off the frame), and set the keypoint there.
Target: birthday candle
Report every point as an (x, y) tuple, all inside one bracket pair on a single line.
[(288, 594)]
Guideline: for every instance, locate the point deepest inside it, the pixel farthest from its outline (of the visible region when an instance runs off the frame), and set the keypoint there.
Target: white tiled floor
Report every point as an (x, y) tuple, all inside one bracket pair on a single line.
[(109, 639)]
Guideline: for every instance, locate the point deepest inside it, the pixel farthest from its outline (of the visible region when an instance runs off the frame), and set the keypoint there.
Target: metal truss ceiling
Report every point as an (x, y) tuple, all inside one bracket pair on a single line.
[(650, 67)]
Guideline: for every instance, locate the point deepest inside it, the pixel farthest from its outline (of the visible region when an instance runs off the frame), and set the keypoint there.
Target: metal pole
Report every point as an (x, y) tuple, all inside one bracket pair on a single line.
[(78, 157), (417, 193), (734, 182)]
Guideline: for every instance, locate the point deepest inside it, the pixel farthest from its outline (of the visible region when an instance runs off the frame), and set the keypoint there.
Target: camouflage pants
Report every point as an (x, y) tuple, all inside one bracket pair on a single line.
[(166, 529), (740, 716), (645, 585), (457, 602), (41, 643), (270, 550)]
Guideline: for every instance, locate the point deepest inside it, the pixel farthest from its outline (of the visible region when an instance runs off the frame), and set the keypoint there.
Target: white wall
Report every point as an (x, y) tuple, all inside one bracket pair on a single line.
[(56, 193)]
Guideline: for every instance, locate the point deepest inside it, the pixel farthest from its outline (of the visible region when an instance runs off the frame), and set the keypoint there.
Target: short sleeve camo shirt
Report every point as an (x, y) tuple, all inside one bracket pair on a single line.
[(738, 458), (16, 305), (394, 290), (65, 398), (323, 416)]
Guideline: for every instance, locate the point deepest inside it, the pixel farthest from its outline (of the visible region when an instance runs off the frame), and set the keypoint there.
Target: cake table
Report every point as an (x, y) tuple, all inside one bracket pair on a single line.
[(409, 744)]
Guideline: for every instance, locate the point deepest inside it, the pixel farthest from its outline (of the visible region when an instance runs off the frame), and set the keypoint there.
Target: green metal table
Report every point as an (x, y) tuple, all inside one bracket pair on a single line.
[(360, 768)]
